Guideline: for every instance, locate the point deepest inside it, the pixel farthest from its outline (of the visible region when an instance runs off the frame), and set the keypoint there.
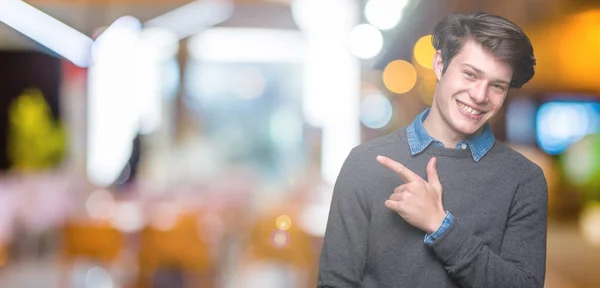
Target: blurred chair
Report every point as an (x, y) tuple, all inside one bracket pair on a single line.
[(274, 257), (96, 241), (176, 249), (3, 255)]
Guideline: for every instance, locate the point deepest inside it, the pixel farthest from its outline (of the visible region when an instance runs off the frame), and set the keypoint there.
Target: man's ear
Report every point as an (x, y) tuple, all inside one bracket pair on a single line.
[(438, 65)]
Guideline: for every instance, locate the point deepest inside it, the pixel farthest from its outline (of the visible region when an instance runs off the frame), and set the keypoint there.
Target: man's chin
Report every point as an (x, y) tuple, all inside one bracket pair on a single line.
[(467, 130)]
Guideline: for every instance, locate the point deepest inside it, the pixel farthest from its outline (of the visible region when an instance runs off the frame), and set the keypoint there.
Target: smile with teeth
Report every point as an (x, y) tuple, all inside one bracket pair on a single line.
[(469, 109)]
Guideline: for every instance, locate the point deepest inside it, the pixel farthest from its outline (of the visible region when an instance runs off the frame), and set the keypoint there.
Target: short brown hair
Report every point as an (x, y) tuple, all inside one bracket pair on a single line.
[(496, 34)]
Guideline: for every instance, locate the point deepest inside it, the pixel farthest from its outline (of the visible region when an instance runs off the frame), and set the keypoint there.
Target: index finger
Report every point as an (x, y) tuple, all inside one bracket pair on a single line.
[(405, 173)]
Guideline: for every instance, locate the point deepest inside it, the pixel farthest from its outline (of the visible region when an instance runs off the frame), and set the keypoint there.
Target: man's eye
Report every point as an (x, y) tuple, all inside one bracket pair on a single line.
[(469, 75), (499, 87)]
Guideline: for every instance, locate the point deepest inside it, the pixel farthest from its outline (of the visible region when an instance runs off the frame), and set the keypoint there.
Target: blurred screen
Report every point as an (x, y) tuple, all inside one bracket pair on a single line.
[(559, 123)]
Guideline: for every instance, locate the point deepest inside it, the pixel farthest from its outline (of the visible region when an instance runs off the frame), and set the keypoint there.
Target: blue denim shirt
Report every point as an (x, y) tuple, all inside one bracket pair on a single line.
[(419, 140)]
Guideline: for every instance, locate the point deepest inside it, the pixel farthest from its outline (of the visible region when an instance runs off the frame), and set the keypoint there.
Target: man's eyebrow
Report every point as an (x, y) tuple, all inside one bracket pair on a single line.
[(480, 72), (477, 70)]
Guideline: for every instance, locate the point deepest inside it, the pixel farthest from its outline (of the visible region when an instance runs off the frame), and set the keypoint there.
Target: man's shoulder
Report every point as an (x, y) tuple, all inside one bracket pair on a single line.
[(515, 161), (394, 140), (394, 145)]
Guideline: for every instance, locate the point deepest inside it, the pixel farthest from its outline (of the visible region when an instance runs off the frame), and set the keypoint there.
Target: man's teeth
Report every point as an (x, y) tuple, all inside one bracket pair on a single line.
[(469, 109)]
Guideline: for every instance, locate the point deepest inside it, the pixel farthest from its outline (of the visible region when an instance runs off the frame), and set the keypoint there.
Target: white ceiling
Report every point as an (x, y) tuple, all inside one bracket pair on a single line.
[(87, 19)]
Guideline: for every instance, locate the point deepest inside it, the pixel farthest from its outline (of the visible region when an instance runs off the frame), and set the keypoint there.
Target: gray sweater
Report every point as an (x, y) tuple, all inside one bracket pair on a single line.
[(497, 239)]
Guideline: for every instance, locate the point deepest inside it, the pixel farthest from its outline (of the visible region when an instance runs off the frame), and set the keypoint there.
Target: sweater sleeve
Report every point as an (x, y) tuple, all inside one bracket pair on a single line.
[(521, 262), (344, 252)]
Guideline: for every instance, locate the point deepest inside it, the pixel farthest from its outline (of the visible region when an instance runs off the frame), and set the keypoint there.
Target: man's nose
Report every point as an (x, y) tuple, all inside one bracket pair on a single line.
[(479, 93)]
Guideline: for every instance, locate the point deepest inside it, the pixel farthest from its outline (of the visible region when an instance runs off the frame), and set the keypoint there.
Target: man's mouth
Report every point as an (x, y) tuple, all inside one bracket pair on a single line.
[(469, 109)]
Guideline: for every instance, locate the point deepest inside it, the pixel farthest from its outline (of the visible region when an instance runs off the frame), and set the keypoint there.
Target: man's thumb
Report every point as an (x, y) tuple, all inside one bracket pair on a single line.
[(432, 175)]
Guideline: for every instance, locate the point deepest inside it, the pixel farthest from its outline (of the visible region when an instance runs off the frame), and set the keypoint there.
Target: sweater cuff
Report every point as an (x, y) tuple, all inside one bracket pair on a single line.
[(446, 223), (448, 246)]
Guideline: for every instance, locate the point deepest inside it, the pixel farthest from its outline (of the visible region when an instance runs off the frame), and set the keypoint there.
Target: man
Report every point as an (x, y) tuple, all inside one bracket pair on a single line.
[(441, 203)]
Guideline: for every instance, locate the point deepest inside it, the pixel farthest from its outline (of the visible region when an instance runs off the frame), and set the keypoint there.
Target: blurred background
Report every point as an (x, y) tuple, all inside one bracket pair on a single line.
[(154, 143)]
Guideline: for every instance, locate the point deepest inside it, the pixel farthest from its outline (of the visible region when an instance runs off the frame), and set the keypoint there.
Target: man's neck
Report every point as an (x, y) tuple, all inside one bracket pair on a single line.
[(437, 128)]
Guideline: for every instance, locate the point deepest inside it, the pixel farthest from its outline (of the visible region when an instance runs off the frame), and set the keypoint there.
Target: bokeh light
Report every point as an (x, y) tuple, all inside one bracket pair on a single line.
[(568, 62), (365, 41), (399, 76), (100, 204), (424, 52), (128, 217), (313, 219), (581, 163), (589, 223), (283, 222), (559, 124), (384, 14), (576, 50), (97, 277), (164, 216), (280, 239), (375, 111)]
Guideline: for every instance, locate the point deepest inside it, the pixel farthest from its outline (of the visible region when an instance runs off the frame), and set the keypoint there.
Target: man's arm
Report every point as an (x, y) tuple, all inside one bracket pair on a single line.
[(522, 258), (344, 253)]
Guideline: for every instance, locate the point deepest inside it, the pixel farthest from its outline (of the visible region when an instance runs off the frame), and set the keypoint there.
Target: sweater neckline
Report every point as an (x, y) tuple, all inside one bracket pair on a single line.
[(450, 152)]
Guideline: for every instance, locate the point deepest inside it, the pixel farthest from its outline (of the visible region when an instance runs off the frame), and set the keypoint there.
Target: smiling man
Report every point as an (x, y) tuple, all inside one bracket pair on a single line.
[(440, 203)]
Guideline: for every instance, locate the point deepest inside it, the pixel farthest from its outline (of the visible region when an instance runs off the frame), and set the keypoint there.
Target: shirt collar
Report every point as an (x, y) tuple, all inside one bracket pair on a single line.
[(419, 138)]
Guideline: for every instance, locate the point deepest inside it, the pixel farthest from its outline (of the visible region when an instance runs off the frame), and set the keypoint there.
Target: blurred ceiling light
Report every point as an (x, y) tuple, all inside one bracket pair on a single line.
[(123, 32), (154, 48), (158, 43), (365, 41), (191, 18), (424, 52), (328, 16), (247, 45), (399, 76), (375, 111), (49, 32), (113, 103), (331, 76), (384, 14)]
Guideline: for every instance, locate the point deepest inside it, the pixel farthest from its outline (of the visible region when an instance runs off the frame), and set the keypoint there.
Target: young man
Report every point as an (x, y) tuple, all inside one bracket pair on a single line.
[(440, 203)]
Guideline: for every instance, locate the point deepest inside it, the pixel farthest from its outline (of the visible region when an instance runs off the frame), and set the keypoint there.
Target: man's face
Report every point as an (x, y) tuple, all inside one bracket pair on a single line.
[(472, 90)]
